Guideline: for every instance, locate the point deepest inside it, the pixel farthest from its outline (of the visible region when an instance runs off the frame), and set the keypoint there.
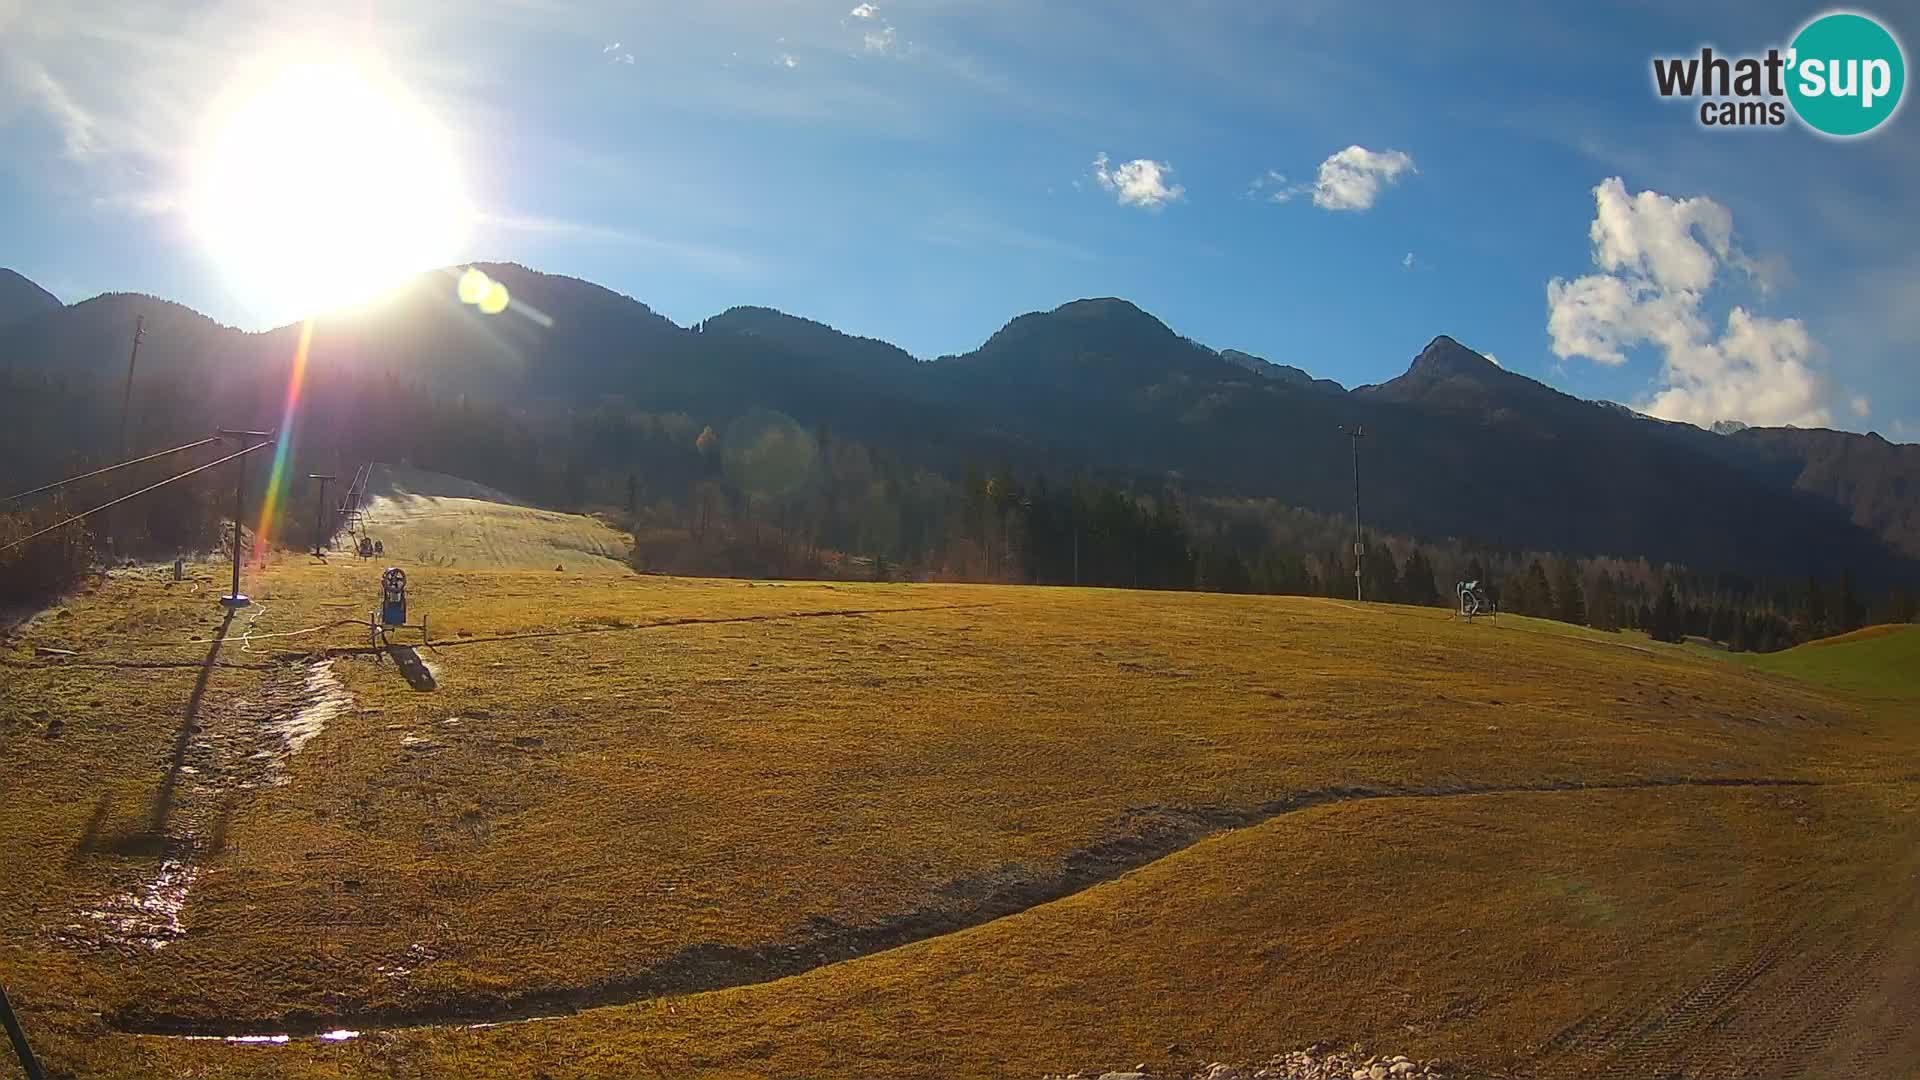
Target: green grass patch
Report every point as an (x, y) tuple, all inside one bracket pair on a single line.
[(1881, 661)]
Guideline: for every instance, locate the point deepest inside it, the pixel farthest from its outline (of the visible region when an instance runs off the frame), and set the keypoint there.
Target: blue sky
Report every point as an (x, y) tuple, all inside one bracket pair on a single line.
[(923, 170)]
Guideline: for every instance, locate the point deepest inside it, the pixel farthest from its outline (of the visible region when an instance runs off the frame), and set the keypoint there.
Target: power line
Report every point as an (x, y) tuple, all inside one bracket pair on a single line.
[(142, 491), (108, 469)]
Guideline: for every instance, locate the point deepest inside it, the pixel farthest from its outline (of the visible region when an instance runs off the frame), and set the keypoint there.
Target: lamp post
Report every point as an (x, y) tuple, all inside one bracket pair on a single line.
[(1355, 434)]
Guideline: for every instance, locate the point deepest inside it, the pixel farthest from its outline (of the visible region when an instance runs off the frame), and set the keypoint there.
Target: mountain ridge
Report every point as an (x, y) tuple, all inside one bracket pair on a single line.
[(1459, 447), (21, 297)]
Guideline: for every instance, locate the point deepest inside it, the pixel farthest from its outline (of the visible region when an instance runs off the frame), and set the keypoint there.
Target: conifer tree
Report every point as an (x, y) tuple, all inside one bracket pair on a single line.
[(1604, 610), (1381, 574), (1539, 593), (1814, 614), (1667, 623), (1416, 581), (1850, 614), (1570, 602)]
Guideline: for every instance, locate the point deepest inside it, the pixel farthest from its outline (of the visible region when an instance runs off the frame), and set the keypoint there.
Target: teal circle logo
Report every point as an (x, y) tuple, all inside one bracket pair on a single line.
[(1846, 74)]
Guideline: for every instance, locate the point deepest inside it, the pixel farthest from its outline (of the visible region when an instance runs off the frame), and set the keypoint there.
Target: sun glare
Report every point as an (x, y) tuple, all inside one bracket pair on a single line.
[(324, 188)]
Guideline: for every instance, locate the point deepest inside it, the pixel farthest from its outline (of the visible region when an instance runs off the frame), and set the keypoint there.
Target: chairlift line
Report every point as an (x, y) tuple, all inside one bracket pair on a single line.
[(110, 468), (133, 495)]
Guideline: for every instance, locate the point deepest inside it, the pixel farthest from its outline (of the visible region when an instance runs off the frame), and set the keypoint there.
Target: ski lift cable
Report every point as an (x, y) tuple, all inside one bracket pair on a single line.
[(134, 495), (108, 469)]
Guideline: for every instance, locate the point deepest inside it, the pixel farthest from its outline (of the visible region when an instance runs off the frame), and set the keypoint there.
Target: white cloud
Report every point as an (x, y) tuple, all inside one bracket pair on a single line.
[(1860, 405), (1352, 178), (1407, 261), (1659, 256), (879, 41), (1599, 315), (1141, 182), (1760, 371), (788, 61), (864, 11), (1653, 236)]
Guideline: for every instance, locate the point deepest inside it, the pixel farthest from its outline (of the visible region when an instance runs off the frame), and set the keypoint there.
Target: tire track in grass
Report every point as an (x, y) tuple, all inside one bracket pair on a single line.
[(1151, 833), (1779, 1013), (1652, 1046)]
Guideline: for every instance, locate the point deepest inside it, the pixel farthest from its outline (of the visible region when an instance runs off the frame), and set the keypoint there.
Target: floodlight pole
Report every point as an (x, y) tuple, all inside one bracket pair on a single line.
[(1355, 434), (320, 533)]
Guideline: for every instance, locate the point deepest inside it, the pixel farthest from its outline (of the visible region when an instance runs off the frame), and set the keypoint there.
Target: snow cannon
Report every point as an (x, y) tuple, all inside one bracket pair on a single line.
[(393, 597), (392, 614)]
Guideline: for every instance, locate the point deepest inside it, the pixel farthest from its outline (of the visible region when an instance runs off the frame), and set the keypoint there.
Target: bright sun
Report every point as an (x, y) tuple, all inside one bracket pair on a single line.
[(325, 188)]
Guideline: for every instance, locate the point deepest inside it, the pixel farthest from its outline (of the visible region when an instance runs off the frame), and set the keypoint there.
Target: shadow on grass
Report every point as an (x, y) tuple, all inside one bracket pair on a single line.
[(89, 841), (162, 808), (412, 668)]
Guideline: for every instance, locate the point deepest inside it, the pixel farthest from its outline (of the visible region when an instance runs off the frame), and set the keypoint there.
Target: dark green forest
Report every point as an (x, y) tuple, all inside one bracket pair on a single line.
[(761, 495)]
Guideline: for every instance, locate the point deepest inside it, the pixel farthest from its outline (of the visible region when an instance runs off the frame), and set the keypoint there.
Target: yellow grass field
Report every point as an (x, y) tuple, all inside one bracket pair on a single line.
[(736, 829)]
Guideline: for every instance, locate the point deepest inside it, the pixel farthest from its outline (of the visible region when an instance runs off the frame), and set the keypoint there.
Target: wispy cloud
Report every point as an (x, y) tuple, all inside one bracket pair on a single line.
[(877, 34), (717, 260), (1142, 182), (1407, 261), (1272, 185), (978, 233), (36, 84)]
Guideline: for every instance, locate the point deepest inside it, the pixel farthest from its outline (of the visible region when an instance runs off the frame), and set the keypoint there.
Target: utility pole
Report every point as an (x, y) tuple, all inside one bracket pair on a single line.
[(1355, 434), (126, 402), (321, 534), (236, 598), (126, 396)]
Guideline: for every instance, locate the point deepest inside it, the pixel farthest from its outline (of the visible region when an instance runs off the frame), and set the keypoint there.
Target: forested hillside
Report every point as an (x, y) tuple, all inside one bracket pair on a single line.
[(755, 434)]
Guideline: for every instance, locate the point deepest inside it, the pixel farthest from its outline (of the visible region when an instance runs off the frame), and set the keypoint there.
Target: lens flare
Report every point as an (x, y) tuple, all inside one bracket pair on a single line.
[(277, 478), (474, 285), (495, 301)]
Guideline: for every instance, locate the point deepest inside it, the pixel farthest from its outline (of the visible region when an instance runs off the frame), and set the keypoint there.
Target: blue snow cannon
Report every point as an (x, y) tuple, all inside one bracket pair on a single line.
[(393, 597)]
